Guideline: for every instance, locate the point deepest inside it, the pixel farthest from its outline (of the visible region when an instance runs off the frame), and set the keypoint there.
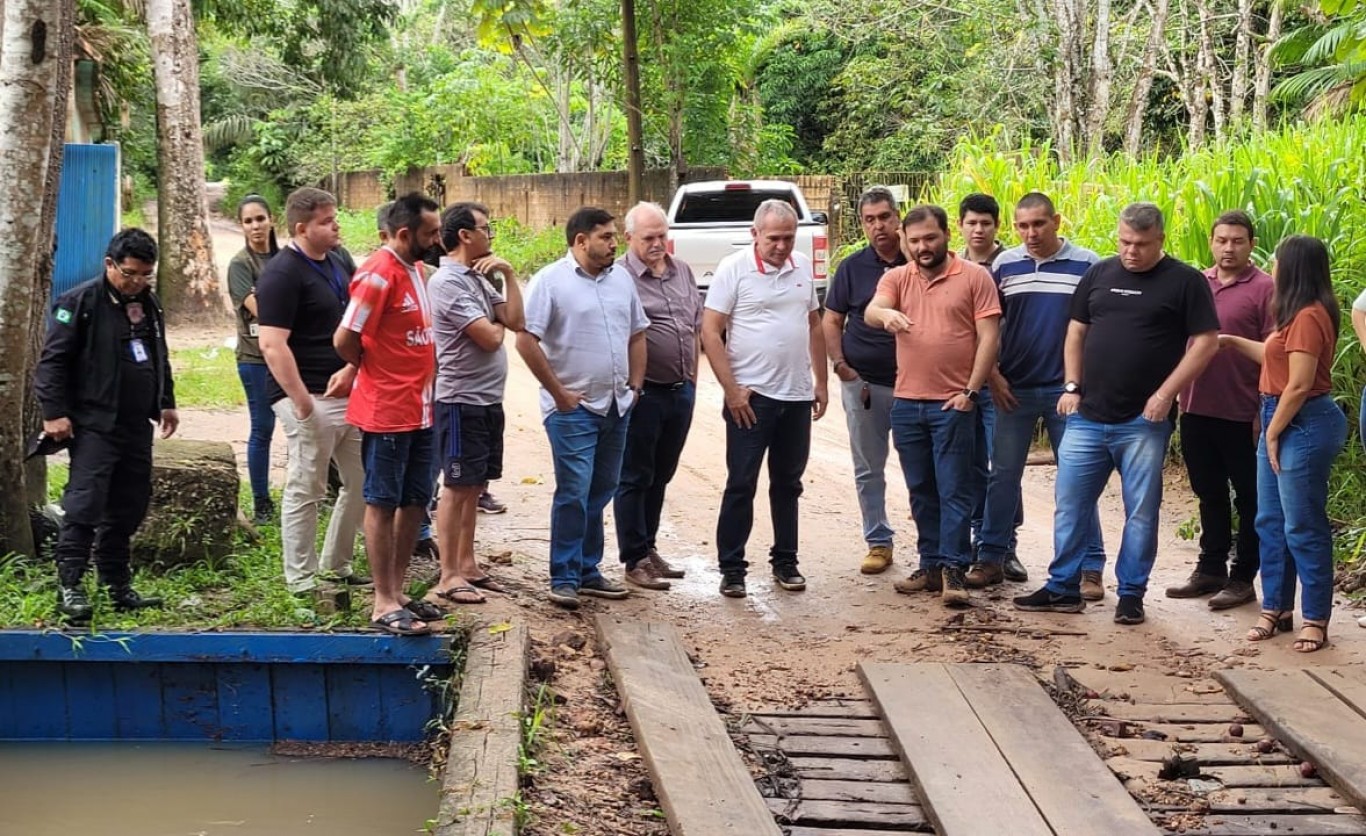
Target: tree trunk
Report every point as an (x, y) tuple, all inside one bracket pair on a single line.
[(635, 140), (1101, 71), (1262, 86), (1143, 84), (1209, 76), (187, 277), (1066, 72), (1237, 89), (35, 77)]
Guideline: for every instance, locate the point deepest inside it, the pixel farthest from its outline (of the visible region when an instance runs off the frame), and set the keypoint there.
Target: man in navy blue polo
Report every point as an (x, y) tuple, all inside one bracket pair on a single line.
[(864, 360)]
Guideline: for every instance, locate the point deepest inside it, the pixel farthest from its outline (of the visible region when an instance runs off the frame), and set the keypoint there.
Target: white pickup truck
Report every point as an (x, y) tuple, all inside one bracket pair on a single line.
[(710, 220)]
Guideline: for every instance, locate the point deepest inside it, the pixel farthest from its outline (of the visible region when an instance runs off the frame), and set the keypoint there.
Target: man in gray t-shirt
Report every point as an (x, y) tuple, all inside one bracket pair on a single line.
[(469, 321)]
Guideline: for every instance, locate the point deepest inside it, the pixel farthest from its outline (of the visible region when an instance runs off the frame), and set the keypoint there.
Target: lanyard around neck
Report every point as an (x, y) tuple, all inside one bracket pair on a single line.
[(336, 281)]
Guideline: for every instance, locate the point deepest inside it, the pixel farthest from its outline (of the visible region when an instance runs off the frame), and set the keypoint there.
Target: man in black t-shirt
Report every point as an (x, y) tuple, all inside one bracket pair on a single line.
[(864, 360), (300, 298), (1143, 326)]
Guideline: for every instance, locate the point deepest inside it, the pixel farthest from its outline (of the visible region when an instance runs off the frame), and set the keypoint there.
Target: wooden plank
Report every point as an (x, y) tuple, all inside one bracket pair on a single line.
[(1212, 754), (1229, 776), (1275, 800), (880, 792), (844, 709), (480, 782), (953, 761), (1310, 721), (1348, 684), (844, 831), (1177, 733), (847, 769), (1067, 781), (1181, 713), (830, 726), (1142, 686), (830, 747), (1220, 824), (846, 813), (699, 778)]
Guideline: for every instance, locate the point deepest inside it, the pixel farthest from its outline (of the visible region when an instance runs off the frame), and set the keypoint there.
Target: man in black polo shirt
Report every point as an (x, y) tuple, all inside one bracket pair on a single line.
[(1143, 326), (865, 362), (300, 298)]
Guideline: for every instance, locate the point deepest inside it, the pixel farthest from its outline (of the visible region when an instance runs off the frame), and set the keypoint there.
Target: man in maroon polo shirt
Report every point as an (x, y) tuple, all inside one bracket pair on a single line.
[(1218, 422)]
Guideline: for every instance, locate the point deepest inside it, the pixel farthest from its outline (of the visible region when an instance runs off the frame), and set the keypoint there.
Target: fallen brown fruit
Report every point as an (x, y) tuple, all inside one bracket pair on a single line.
[(1308, 770), (1235, 729), (1266, 745)]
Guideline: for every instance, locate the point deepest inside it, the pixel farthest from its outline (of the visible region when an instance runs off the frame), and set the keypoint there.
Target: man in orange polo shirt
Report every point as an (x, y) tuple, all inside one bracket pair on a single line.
[(946, 314)]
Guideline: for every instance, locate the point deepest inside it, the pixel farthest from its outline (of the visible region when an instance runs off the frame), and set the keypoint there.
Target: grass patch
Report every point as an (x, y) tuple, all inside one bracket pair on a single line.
[(207, 378)]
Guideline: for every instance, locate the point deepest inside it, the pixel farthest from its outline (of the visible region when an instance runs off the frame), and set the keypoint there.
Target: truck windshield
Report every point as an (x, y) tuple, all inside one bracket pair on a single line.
[(732, 205)]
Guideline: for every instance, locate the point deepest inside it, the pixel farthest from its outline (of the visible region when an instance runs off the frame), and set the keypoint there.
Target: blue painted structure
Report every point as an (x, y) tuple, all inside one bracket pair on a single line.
[(87, 212), (246, 687)]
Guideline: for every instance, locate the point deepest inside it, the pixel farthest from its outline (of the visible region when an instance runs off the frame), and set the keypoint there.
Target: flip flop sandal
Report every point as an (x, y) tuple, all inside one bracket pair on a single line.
[(489, 583), (424, 610), (452, 595), (400, 623)]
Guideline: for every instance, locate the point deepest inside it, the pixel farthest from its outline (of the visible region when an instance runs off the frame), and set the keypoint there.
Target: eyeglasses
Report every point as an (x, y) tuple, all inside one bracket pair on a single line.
[(488, 230), (135, 274)]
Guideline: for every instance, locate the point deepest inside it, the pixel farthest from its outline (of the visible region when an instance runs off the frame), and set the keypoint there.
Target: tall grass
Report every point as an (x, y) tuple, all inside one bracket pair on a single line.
[(1305, 178)]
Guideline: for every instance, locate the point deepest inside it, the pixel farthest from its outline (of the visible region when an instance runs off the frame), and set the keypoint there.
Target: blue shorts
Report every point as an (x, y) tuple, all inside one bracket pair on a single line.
[(399, 468), (471, 443)]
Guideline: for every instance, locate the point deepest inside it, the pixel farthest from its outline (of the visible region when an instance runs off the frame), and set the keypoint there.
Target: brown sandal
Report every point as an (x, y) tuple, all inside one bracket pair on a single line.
[(1269, 624), (1311, 645)]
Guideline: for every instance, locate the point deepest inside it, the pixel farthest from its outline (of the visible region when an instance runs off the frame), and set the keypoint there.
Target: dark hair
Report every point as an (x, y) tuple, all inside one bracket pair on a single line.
[(302, 203), (248, 200), (1303, 277), (382, 216), (1234, 217), (1037, 200), (584, 220), (924, 212), (406, 212), (982, 204), (132, 243), (457, 217), (877, 194)]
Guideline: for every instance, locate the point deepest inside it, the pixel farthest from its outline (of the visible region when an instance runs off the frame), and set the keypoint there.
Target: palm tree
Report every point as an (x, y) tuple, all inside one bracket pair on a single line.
[(1332, 51)]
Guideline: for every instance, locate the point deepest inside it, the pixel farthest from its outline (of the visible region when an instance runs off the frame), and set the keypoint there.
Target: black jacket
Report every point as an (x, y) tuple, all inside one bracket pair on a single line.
[(78, 373)]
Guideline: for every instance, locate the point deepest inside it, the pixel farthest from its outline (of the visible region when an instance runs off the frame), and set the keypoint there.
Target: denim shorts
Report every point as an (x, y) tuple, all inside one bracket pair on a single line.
[(399, 468)]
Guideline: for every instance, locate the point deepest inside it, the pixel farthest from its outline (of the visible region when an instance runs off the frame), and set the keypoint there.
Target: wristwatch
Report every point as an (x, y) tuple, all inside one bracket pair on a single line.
[(973, 395), (1071, 387)]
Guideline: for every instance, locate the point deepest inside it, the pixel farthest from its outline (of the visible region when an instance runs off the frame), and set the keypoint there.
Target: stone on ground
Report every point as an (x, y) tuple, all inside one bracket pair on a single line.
[(193, 514)]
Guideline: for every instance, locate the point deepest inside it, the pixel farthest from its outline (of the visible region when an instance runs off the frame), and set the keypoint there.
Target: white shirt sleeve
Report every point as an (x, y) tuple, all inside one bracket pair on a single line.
[(539, 306), (721, 296)]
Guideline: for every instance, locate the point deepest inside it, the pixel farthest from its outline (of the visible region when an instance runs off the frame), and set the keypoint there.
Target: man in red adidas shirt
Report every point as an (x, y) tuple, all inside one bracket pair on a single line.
[(387, 332)]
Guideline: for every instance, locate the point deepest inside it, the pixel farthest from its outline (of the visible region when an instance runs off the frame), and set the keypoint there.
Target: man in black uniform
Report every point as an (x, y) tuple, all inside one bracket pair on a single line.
[(104, 376)]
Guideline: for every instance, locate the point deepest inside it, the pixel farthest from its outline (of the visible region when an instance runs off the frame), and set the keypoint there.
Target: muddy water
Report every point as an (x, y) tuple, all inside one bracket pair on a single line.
[(190, 790)]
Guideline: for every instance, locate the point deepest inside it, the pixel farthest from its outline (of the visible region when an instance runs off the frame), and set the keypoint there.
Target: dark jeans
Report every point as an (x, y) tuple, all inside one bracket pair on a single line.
[(254, 377), (1219, 453), (983, 464), (782, 429), (654, 441), (936, 449), (105, 501)]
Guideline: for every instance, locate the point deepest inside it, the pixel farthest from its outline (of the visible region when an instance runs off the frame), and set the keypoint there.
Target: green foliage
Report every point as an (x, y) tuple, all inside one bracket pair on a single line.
[(1300, 179), (528, 250), (207, 378), (1330, 53)]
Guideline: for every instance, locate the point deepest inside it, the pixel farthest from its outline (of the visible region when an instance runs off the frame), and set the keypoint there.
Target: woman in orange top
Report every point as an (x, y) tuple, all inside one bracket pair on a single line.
[(1303, 430)]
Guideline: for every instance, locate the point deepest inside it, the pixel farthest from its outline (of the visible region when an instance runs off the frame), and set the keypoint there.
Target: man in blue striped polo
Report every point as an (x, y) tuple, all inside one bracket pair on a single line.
[(1036, 280)]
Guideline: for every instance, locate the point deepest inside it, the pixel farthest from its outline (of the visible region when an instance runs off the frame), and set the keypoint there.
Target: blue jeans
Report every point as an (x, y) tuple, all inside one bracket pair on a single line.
[(936, 450), (654, 441), (587, 448), (1292, 507), (1090, 451), (782, 430), (870, 427), (254, 377), (1013, 434)]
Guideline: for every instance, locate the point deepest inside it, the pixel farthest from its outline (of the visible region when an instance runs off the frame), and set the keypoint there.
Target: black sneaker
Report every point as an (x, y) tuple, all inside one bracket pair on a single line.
[(73, 605), (127, 599), (564, 595), (601, 587), (1045, 601), (263, 513), (354, 579), (426, 549), (788, 577), (1014, 570), (733, 586), (1129, 610)]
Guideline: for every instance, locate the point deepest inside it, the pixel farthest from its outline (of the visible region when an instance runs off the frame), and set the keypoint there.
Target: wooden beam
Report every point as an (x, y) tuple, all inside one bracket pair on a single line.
[(964, 782), (1309, 720), (702, 784), (479, 788)]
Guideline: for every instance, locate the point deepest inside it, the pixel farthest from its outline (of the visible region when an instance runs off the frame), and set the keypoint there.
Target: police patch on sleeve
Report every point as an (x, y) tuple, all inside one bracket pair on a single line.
[(63, 316)]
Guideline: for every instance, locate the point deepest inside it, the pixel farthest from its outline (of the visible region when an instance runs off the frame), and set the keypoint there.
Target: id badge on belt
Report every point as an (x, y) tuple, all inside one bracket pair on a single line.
[(139, 350)]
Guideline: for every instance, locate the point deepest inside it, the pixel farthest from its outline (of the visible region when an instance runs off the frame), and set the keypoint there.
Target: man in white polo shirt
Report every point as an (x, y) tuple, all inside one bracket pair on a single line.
[(763, 300)]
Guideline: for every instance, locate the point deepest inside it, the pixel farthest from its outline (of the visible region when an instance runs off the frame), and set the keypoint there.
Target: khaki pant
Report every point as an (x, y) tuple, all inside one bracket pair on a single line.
[(324, 436)]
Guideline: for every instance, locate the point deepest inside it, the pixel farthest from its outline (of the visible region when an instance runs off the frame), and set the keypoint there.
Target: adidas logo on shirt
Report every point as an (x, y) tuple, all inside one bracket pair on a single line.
[(409, 303)]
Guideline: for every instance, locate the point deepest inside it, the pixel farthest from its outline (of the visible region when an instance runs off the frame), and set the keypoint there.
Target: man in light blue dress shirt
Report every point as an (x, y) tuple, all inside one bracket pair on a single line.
[(585, 342)]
